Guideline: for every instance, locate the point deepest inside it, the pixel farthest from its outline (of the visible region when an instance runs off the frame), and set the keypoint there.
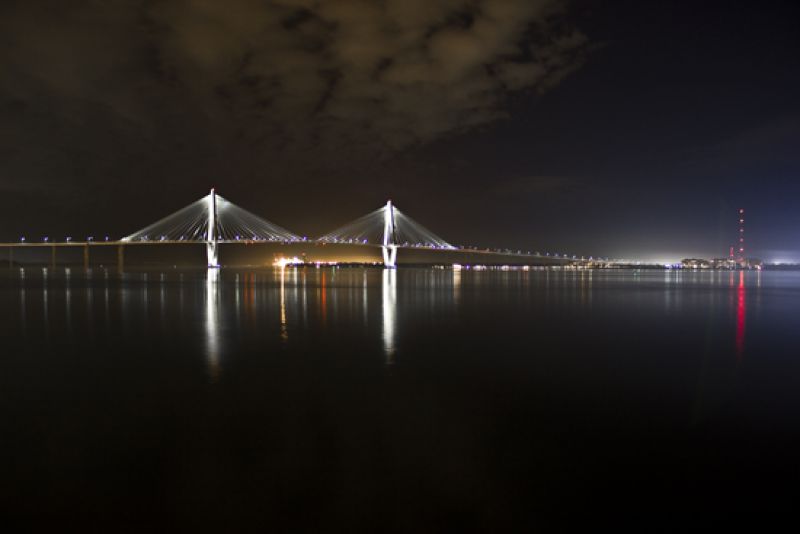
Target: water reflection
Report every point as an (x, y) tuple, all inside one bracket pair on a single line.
[(586, 287), (106, 302), (23, 311), (741, 314), (456, 286), (89, 299), (56, 304), (162, 301), (212, 324), (389, 291), (45, 308), (284, 329), (364, 299), (68, 300)]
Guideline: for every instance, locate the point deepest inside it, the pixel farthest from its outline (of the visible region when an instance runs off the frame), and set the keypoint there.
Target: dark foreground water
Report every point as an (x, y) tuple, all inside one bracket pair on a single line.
[(409, 401)]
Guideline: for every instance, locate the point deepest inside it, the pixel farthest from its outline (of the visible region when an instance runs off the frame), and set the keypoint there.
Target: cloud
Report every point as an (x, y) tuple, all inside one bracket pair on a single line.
[(335, 75)]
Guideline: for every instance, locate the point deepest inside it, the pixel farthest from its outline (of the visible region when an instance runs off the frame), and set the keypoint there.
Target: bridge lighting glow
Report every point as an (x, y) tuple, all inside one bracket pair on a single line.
[(22, 239), (46, 239), (194, 223), (283, 262), (212, 219), (90, 238), (69, 239)]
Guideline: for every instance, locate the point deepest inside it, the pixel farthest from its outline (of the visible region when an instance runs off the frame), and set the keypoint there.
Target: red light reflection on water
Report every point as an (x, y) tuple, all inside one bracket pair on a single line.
[(741, 312)]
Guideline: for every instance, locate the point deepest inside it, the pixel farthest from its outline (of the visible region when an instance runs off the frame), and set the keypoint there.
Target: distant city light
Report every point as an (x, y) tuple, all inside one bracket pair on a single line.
[(283, 262)]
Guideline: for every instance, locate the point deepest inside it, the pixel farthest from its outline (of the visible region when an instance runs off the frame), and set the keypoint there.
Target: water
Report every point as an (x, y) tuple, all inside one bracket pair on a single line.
[(396, 401)]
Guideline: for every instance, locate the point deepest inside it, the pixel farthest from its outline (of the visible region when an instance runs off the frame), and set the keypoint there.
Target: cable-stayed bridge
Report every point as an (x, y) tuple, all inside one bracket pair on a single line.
[(213, 220), (389, 228)]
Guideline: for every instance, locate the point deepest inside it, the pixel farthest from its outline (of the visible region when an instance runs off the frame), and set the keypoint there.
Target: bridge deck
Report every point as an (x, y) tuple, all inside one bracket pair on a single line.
[(77, 244)]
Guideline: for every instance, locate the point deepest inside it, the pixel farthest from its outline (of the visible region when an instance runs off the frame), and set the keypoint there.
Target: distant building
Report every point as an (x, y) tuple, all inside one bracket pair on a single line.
[(752, 263), (724, 263), (695, 263), (736, 263)]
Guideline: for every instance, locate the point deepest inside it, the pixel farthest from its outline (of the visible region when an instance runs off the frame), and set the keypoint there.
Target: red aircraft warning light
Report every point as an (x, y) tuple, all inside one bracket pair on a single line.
[(741, 235)]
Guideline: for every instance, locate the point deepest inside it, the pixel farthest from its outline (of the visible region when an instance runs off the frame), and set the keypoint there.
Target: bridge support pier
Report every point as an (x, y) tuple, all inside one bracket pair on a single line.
[(389, 256), (212, 253), (389, 247), (53, 257), (86, 257), (10, 257)]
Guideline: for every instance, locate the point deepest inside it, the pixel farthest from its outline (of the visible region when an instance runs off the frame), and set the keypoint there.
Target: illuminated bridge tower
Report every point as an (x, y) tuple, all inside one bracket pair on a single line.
[(742, 259), (390, 229), (389, 246), (212, 251), (211, 221)]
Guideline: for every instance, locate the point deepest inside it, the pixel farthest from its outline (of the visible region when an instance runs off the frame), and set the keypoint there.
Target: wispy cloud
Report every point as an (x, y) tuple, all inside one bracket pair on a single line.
[(332, 73)]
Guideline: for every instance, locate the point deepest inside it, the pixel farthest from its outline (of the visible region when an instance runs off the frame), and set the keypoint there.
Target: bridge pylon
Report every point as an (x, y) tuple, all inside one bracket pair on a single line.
[(211, 221), (212, 250), (390, 229), (389, 246)]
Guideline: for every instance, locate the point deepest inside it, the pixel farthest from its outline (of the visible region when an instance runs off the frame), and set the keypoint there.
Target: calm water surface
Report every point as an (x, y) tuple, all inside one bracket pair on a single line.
[(396, 401)]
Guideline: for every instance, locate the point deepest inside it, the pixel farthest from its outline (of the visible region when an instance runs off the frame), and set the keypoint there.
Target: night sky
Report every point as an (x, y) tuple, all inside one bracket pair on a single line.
[(626, 129)]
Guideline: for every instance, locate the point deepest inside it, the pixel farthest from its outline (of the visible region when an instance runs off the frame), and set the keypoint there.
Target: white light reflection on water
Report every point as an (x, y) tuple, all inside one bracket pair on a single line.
[(586, 287), (389, 287), (284, 329), (456, 286), (237, 298), (212, 325)]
